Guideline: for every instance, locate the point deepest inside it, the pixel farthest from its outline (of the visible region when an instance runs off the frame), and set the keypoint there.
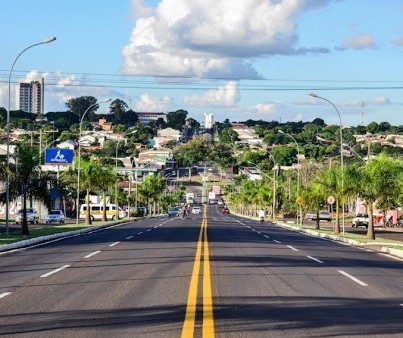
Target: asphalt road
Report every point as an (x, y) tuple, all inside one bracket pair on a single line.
[(224, 275)]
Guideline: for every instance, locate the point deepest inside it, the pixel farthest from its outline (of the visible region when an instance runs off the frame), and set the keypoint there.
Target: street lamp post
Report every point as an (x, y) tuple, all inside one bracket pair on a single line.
[(299, 217), (8, 129), (341, 149), (79, 159)]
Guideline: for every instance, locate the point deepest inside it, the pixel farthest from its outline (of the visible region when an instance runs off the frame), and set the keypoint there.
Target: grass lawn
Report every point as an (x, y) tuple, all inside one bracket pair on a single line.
[(14, 236)]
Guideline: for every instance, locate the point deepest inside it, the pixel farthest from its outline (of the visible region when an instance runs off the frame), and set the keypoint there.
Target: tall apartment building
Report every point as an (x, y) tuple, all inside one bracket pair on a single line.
[(31, 97), (208, 120)]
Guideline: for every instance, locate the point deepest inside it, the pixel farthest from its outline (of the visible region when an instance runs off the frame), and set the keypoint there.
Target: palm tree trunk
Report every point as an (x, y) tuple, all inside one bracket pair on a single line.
[(24, 223), (371, 230), (87, 201), (337, 225)]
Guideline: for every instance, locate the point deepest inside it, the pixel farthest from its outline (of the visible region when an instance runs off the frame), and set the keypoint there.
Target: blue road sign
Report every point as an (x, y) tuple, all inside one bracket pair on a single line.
[(58, 156)]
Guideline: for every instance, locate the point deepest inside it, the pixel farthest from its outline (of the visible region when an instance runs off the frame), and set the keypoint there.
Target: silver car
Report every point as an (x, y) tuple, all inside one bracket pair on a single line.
[(32, 216), (55, 216)]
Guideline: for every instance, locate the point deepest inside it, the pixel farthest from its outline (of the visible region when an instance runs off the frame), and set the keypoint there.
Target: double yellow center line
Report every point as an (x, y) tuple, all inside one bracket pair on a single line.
[(202, 254)]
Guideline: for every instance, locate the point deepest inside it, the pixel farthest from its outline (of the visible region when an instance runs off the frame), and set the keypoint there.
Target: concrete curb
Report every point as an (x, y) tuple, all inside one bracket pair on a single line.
[(38, 240), (384, 246)]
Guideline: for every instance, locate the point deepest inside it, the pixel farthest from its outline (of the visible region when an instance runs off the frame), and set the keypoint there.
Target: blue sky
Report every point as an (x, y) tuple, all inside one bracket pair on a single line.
[(239, 59)]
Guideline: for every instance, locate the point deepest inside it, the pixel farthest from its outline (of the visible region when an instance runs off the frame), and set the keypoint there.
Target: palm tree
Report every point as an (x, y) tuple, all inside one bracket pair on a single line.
[(26, 180), (151, 189), (380, 181), (106, 180), (331, 182)]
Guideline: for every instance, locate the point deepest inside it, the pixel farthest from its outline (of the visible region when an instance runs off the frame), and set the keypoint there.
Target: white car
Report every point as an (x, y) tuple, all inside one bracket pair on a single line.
[(55, 216), (196, 210), (32, 216)]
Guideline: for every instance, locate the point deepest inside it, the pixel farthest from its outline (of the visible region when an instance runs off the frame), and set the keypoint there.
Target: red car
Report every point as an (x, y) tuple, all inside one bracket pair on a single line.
[(225, 210)]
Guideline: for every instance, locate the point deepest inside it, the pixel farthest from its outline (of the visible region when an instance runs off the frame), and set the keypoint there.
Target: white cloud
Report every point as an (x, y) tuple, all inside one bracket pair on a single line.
[(398, 42), (381, 101), (201, 38), (58, 89), (297, 118), (139, 9), (359, 41), (225, 96), (152, 103), (265, 108)]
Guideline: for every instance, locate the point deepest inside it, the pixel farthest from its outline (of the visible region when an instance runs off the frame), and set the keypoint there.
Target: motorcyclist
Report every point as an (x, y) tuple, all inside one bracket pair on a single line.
[(261, 215)]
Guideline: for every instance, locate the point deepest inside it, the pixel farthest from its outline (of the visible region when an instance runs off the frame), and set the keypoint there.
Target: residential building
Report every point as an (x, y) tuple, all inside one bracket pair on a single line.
[(147, 117), (31, 97), (208, 120)]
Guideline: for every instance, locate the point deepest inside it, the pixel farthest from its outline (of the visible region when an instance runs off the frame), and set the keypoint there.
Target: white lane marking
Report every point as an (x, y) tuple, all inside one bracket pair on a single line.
[(129, 237), (265, 236), (139, 233), (399, 304), (254, 230), (275, 240), (315, 259), (390, 256), (352, 278), (248, 226), (156, 227), (4, 294), (149, 230), (55, 271), (259, 232), (92, 254), (113, 244), (292, 248)]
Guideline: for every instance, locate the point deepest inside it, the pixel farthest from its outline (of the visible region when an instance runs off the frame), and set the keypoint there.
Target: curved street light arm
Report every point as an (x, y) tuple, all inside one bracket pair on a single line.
[(8, 126)]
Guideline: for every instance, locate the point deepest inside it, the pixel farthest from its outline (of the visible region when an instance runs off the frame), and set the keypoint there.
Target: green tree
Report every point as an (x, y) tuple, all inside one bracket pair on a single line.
[(26, 180), (106, 180), (118, 108), (379, 181), (176, 119), (80, 104), (331, 181)]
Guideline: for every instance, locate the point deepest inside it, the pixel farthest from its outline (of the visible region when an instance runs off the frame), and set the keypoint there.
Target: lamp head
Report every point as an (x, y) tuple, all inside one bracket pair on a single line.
[(313, 94), (281, 132), (50, 40)]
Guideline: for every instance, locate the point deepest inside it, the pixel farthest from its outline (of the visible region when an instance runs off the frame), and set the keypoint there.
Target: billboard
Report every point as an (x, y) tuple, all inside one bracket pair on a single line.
[(58, 156)]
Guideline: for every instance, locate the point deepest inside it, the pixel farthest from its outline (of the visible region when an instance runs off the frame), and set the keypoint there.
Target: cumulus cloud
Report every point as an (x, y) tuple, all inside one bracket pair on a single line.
[(398, 42), (359, 41), (265, 108), (225, 96), (58, 89), (381, 101), (152, 103), (207, 38), (139, 9)]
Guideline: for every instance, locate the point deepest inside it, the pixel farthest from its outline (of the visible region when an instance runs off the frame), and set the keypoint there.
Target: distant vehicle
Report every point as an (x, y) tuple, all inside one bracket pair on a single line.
[(55, 216), (190, 198), (220, 203), (324, 215), (32, 216), (96, 211), (225, 210), (173, 212), (196, 210), (360, 220)]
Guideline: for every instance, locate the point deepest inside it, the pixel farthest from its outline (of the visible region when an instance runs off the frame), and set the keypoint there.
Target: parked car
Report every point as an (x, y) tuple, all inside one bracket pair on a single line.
[(360, 220), (196, 210), (173, 212), (324, 215), (32, 216), (55, 216), (225, 210)]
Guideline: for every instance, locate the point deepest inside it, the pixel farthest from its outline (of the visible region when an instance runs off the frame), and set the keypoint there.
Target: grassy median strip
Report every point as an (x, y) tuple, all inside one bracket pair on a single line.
[(15, 236)]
